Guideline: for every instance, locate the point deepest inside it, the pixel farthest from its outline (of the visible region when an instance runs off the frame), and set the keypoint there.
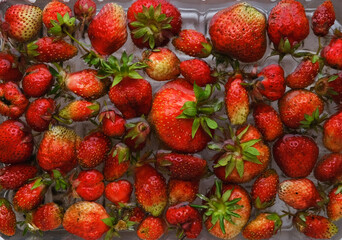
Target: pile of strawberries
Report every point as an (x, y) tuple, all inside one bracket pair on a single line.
[(54, 178)]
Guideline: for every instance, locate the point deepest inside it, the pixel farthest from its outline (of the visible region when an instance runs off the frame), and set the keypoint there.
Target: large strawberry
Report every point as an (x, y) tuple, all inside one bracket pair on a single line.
[(332, 133), (119, 192), (47, 217), (240, 32), (272, 85), (329, 169), (335, 204), (323, 18), (332, 53), (9, 68), (39, 114), (14, 176), (7, 218)]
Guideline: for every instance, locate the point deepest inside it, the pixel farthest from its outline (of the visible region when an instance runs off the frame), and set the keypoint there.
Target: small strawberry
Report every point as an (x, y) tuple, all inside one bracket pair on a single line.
[(137, 135), (14, 176), (197, 71), (299, 193), (314, 226), (137, 215), (151, 228), (264, 189), (330, 87), (93, 150), (25, 21), (192, 43), (323, 18), (162, 64), (332, 133), (182, 191), (7, 218), (272, 86), (117, 162), (264, 226), (113, 125), (332, 53), (51, 10), (119, 192), (150, 189), (80, 110), (47, 217), (329, 169), (9, 70), (334, 207), (85, 10), (16, 142), (39, 114)]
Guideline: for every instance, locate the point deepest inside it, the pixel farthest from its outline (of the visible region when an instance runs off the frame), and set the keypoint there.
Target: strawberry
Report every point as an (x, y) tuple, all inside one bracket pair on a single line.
[(16, 142), (196, 70), (288, 25), (332, 133), (51, 11), (107, 31), (182, 166), (153, 22), (88, 185), (299, 193), (330, 87), (9, 69), (295, 104), (332, 53), (117, 162), (150, 189), (242, 157), (84, 219), (39, 114), (334, 207), (264, 226), (264, 189), (80, 110), (85, 10), (136, 135), (14, 176), (329, 169), (272, 86), (236, 100), (37, 81), (192, 43), (13, 102), (314, 226), (182, 191), (119, 192), (25, 21), (93, 150), (296, 155), (268, 121), (151, 228), (305, 73), (113, 125), (51, 49), (47, 217), (162, 64), (57, 150), (323, 18), (7, 218), (187, 218), (137, 215), (240, 32)]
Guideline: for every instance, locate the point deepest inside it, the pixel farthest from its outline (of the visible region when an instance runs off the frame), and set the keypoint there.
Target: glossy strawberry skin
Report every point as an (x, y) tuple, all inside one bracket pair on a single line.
[(39, 114), (151, 228), (14, 176), (47, 217), (332, 133), (89, 185), (329, 169), (80, 110), (332, 53), (119, 191), (334, 207), (304, 74), (9, 70), (261, 227), (113, 125), (50, 12), (323, 18), (7, 218), (197, 71), (113, 169), (273, 84), (182, 191)]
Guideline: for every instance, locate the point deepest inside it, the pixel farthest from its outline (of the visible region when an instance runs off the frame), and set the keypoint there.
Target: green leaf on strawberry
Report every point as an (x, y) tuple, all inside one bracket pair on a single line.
[(313, 121)]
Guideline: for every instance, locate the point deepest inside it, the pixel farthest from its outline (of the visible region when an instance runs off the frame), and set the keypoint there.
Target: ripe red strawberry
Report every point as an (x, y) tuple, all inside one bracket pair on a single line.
[(13, 102), (113, 125), (93, 150), (137, 215), (192, 43), (182, 166), (150, 189), (153, 22), (84, 219), (80, 110), (187, 218), (37, 81), (85, 10), (137, 135), (30, 195), (14, 176), (264, 226), (119, 192), (88, 185), (240, 32), (151, 228), (299, 193), (162, 64), (288, 25), (182, 191), (236, 100), (107, 31), (57, 150), (16, 142), (329, 169), (332, 133), (314, 226), (264, 189), (332, 53), (272, 86), (51, 49), (117, 162), (196, 70), (334, 205), (305, 73), (323, 18), (296, 155), (295, 104), (51, 10), (330, 87), (39, 114), (47, 217), (9, 70), (268, 121), (25, 21), (7, 218)]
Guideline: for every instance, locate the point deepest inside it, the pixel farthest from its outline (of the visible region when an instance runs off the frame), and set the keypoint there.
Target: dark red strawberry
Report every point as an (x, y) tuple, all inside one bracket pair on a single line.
[(137, 215), (39, 114), (85, 10), (7, 218), (80, 110), (323, 18), (334, 207), (14, 176), (332, 133), (47, 217), (113, 125), (330, 87), (119, 192), (151, 228), (332, 53), (137, 135), (117, 162), (88, 185), (9, 70), (197, 71), (182, 191), (272, 86), (329, 169)]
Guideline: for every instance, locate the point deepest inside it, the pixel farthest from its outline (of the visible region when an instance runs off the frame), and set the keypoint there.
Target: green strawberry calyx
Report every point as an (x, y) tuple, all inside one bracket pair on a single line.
[(322, 87), (277, 221), (313, 121), (65, 24), (122, 151), (138, 132), (262, 205)]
